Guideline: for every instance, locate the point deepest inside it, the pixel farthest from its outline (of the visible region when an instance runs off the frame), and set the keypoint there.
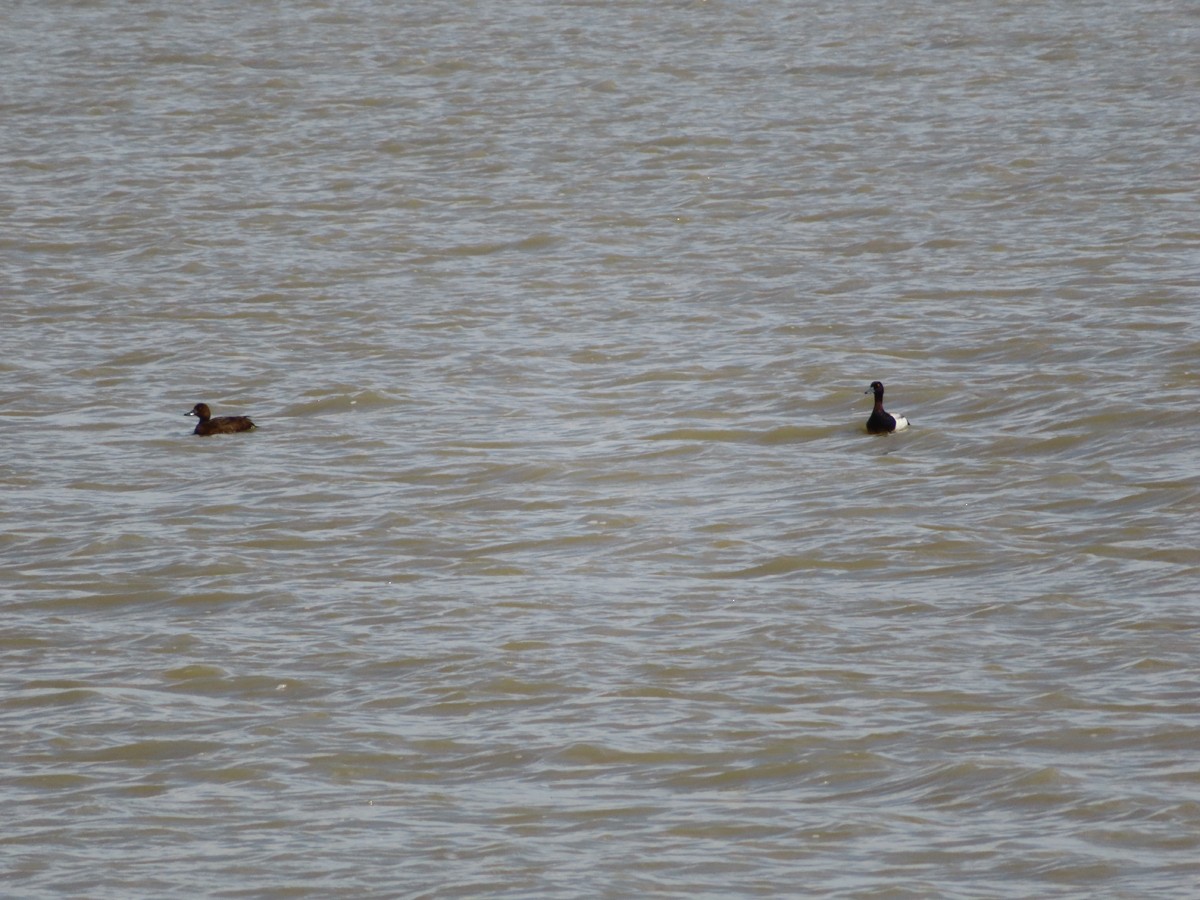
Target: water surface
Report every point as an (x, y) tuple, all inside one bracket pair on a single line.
[(560, 564)]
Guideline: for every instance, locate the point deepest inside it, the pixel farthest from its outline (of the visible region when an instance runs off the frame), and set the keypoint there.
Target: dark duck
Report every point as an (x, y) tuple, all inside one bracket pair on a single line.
[(881, 421), (221, 424)]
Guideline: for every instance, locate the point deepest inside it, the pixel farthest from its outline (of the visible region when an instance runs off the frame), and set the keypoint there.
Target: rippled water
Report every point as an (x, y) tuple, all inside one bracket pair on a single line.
[(560, 564)]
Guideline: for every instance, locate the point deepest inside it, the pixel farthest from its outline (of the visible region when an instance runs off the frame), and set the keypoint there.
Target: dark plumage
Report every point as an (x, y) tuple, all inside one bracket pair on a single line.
[(219, 425), (881, 421)]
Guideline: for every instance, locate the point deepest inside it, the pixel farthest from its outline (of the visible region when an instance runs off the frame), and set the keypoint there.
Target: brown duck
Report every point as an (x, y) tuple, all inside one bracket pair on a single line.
[(219, 425), (881, 421)]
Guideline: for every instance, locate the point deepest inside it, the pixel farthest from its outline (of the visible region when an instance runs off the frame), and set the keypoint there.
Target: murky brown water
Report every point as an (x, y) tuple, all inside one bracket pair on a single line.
[(560, 565)]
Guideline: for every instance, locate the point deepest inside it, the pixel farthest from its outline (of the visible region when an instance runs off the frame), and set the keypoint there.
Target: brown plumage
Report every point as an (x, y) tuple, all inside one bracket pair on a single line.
[(219, 425), (881, 421)]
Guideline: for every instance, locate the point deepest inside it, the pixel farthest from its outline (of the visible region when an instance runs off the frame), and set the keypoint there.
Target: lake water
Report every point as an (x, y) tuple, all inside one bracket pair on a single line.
[(561, 564)]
